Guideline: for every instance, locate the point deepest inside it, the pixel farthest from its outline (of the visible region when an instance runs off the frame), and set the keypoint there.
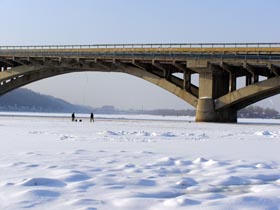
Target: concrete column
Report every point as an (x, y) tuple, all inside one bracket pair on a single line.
[(248, 80), (211, 86), (206, 87), (187, 80), (226, 116), (255, 78), (232, 82), (205, 111), (221, 84)]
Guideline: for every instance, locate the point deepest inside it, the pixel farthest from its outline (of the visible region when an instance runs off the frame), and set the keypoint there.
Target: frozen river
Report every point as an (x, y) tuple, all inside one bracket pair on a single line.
[(138, 162)]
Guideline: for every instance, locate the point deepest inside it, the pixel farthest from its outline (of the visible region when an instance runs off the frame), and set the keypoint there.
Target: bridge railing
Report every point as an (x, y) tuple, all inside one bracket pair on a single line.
[(137, 46)]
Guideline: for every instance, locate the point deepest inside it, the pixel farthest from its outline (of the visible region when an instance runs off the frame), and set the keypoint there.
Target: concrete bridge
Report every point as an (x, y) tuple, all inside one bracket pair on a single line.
[(170, 66)]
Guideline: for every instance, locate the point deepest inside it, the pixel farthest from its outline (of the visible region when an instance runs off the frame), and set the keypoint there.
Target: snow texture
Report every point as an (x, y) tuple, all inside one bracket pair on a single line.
[(126, 163)]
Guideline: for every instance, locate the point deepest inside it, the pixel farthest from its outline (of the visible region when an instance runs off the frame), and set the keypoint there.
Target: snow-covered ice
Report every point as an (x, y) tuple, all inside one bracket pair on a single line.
[(138, 162)]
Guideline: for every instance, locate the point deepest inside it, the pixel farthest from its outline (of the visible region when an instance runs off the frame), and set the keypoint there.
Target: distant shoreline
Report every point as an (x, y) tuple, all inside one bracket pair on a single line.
[(135, 117)]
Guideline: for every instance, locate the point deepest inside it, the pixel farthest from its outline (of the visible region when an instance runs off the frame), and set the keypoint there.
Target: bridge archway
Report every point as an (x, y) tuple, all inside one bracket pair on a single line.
[(23, 75), (249, 95), (121, 90)]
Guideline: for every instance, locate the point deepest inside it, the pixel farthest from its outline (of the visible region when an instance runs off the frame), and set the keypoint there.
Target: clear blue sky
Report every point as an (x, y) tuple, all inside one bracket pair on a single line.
[(32, 22)]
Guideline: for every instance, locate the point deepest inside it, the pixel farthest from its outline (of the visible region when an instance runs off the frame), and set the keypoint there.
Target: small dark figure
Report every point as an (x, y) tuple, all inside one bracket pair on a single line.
[(80, 120), (73, 117), (91, 117)]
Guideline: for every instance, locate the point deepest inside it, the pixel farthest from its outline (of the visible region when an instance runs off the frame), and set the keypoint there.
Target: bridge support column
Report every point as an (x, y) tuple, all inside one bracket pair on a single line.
[(227, 116), (205, 112), (212, 85)]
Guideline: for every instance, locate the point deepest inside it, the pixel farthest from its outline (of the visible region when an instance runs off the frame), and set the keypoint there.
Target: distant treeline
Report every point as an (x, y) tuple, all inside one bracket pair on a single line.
[(258, 112), (248, 112), (166, 112)]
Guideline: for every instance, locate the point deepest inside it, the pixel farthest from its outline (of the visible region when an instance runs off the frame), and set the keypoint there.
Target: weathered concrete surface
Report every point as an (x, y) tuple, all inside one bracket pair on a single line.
[(206, 112), (252, 93)]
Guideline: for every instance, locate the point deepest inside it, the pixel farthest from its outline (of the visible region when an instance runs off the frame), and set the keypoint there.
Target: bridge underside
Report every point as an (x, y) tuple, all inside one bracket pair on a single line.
[(215, 97)]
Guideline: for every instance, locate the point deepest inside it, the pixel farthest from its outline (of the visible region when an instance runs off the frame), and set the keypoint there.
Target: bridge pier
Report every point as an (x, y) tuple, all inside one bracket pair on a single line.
[(212, 85), (205, 112)]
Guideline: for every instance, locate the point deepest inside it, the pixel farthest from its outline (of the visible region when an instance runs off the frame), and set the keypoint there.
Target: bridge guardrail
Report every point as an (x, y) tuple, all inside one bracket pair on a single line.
[(137, 46)]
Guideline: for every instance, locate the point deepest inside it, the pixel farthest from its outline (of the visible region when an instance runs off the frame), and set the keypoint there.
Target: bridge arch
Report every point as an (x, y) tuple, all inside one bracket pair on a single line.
[(23, 75), (249, 95)]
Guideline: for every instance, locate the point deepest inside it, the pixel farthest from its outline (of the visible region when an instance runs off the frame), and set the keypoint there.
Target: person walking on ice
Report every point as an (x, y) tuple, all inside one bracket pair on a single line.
[(91, 117), (73, 117)]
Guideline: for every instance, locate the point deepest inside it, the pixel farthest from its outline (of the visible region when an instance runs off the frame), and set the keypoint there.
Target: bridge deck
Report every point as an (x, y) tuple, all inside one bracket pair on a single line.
[(241, 50), (221, 48)]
